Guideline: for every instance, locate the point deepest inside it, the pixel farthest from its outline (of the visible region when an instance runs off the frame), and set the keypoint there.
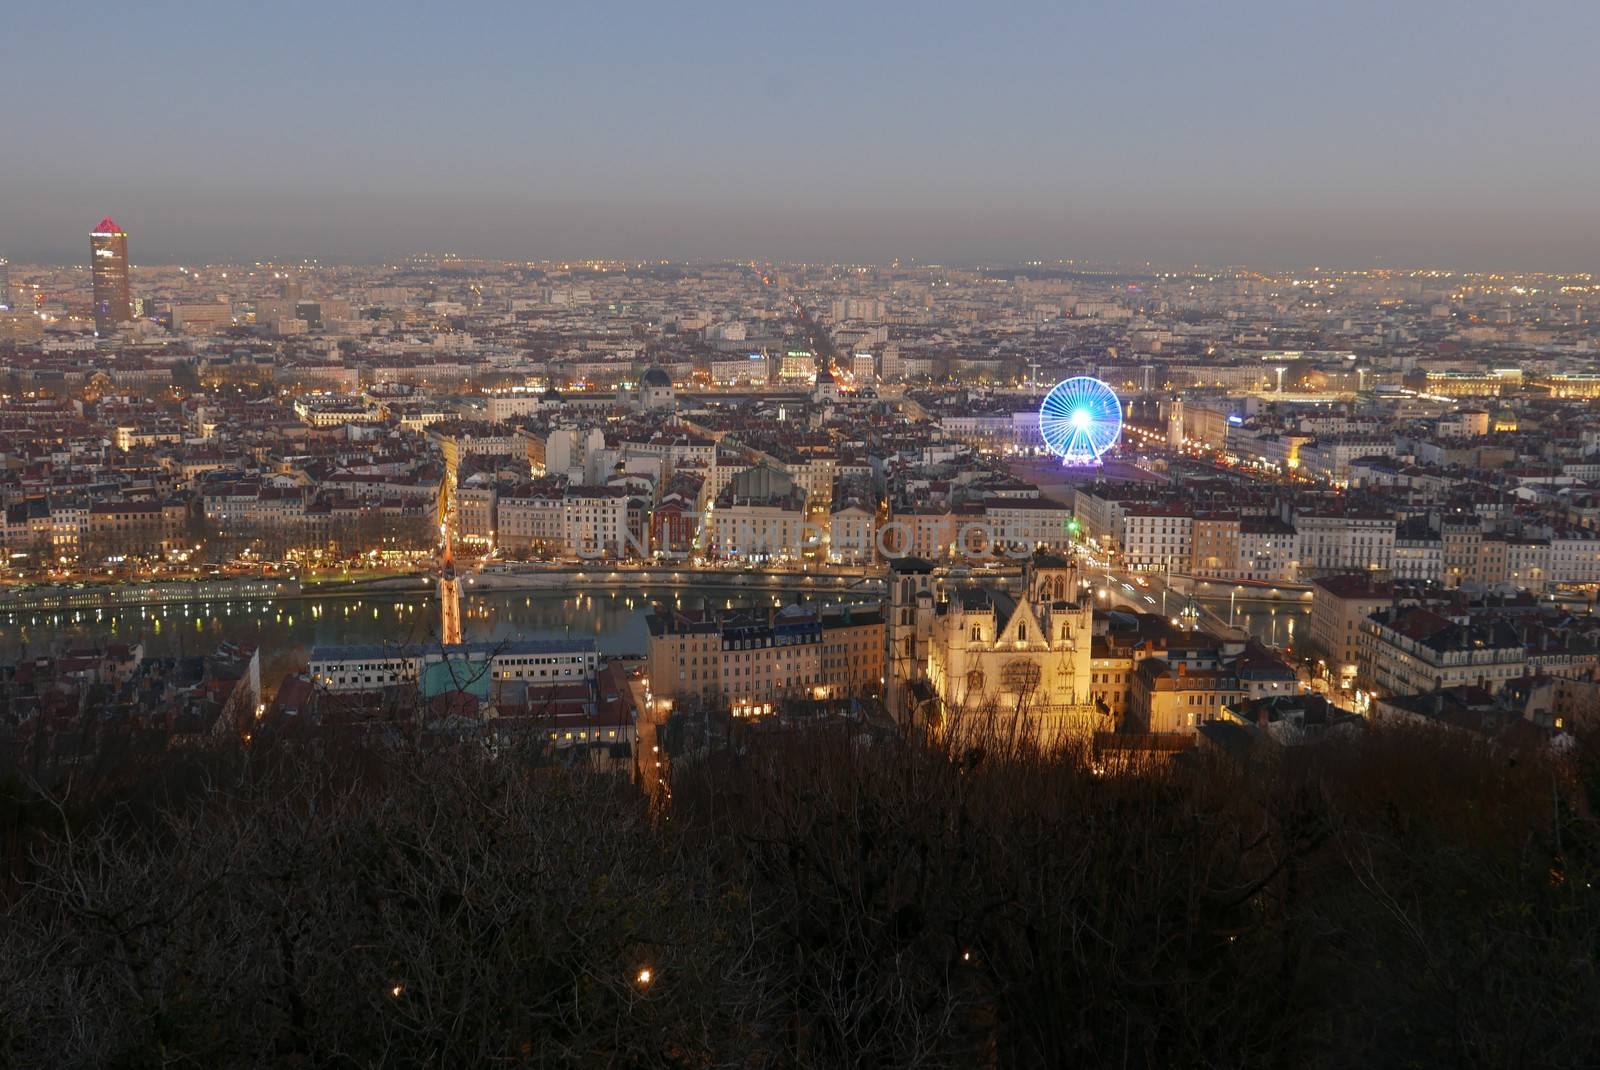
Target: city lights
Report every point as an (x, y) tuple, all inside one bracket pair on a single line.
[(1065, 536)]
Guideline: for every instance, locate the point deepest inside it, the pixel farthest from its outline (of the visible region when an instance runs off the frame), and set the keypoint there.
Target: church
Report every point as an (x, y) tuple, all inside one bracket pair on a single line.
[(993, 659)]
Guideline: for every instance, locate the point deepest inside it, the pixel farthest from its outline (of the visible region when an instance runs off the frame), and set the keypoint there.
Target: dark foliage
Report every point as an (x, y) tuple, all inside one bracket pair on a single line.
[(1411, 900)]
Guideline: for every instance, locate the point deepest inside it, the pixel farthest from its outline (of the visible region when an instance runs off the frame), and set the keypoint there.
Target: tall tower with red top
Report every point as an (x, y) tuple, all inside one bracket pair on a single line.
[(108, 263)]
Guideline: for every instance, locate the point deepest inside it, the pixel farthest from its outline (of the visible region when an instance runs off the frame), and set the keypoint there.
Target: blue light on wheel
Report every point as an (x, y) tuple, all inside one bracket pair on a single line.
[(1080, 419)]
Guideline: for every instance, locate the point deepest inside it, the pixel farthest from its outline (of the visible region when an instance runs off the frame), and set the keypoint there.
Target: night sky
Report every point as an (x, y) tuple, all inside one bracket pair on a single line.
[(1411, 134)]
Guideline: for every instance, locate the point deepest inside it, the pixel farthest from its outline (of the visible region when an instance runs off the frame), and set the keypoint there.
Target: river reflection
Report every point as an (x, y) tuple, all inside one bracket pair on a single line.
[(287, 629), (1280, 626), (1283, 624)]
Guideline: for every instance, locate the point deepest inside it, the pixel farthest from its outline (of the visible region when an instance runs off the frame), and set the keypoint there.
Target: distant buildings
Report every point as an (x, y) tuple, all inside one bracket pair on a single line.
[(1357, 430), (201, 317)]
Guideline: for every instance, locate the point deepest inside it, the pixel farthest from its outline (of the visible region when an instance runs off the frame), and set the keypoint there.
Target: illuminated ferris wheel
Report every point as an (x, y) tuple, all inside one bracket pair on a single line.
[(1080, 419)]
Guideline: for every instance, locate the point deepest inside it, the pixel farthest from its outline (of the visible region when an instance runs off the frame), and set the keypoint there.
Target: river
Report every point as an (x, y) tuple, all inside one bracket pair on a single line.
[(286, 630), (1281, 624)]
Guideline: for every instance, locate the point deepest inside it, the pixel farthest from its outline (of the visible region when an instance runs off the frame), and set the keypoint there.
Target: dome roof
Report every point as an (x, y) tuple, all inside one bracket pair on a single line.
[(656, 377)]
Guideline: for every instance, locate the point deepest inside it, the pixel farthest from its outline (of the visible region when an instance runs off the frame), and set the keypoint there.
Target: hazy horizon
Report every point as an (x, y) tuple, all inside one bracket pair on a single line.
[(1280, 135), (1019, 263)]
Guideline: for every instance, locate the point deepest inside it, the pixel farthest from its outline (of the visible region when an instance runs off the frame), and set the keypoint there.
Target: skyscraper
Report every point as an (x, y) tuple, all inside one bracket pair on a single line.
[(5, 283), (108, 261)]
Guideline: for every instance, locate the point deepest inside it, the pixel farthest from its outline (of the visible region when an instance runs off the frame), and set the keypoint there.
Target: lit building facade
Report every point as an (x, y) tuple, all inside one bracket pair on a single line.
[(750, 661), (973, 660)]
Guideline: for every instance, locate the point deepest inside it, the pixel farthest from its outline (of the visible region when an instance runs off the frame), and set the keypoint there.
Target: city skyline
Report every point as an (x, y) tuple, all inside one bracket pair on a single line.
[(1438, 137), (738, 535)]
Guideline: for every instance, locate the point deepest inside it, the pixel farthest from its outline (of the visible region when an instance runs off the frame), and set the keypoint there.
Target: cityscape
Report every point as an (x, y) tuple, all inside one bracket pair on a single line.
[(1288, 501), (455, 658)]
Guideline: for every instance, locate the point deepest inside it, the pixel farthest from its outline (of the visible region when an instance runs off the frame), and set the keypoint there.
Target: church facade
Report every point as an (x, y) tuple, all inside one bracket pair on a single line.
[(987, 660)]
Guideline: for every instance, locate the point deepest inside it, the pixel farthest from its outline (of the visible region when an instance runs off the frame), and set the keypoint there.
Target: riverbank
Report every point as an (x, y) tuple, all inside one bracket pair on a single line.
[(586, 579), (51, 598), (55, 598)]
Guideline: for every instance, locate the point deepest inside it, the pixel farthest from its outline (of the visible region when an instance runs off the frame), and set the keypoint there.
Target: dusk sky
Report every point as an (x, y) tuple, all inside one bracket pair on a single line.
[(1414, 134)]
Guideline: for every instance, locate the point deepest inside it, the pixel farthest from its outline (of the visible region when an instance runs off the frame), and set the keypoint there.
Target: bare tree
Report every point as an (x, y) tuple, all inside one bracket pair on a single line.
[(808, 899)]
